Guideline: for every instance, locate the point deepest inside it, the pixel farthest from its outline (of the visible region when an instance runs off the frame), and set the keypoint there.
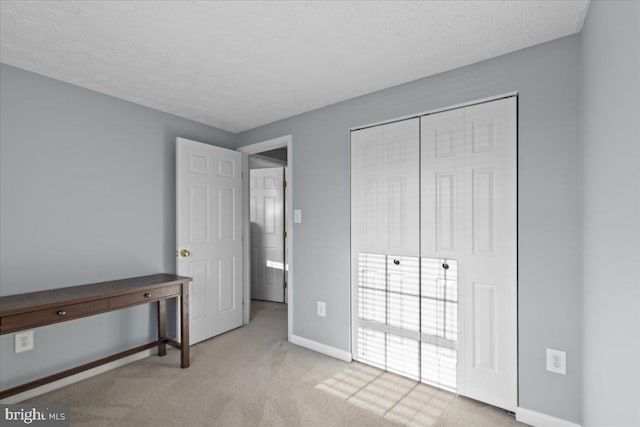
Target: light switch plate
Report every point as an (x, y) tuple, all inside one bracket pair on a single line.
[(322, 309), (297, 216)]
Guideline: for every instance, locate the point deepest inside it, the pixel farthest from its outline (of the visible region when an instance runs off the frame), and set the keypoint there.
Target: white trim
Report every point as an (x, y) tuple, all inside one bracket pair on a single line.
[(321, 348), (259, 147), (538, 419), (246, 236), (438, 110), (270, 144), (353, 294), (20, 397)]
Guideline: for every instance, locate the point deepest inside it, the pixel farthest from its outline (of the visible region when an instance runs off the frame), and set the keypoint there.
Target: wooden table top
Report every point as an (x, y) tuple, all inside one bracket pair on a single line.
[(32, 301)]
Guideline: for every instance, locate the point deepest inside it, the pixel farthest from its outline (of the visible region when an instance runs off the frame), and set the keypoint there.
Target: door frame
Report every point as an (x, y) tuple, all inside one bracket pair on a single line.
[(247, 150)]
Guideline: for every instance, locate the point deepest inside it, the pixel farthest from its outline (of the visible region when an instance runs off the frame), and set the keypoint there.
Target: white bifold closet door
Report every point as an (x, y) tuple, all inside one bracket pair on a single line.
[(385, 193), (469, 213), (434, 264)]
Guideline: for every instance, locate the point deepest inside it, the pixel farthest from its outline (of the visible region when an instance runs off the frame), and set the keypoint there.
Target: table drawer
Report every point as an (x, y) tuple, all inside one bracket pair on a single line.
[(145, 296), (53, 315)]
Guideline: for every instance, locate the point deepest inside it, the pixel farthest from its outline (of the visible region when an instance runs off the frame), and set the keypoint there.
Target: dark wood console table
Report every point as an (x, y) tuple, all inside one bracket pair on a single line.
[(34, 309)]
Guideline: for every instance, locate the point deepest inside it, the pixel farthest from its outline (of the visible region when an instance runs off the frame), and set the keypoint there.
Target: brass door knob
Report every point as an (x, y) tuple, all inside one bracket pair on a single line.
[(185, 253)]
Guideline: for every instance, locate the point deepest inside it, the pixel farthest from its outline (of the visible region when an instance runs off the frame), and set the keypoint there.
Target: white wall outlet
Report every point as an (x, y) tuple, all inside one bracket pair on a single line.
[(24, 341), (297, 216), (556, 361), (322, 309)]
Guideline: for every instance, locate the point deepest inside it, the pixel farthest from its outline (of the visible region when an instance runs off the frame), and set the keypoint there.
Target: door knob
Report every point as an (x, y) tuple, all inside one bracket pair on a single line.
[(185, 253)]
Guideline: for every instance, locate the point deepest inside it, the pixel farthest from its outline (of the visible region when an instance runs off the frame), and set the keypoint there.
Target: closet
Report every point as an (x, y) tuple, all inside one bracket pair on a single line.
[(434, 249)]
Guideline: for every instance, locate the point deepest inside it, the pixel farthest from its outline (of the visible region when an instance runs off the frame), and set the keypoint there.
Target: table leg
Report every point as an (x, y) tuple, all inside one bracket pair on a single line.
[(162, 326), (184, 324)]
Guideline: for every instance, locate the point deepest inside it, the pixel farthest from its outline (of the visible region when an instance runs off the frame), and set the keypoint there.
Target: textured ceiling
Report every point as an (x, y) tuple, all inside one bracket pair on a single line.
[(238, 65)]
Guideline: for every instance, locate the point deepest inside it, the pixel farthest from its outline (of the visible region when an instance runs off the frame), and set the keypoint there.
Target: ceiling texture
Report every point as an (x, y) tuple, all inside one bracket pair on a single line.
[(239, 65)]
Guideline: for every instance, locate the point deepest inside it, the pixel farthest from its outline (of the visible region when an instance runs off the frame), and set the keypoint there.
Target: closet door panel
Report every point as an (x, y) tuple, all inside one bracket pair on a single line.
[(403, 278), (368, 191), (385, 188), (468, 220), (385, 197), (403, 356), (401, 171), (488, 289), (442, 174), (372, 288), (372, 347)]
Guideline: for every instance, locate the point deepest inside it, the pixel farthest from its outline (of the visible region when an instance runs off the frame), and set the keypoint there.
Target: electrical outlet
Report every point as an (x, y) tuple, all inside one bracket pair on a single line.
[(322, 309), (556, 361), (23, 341)]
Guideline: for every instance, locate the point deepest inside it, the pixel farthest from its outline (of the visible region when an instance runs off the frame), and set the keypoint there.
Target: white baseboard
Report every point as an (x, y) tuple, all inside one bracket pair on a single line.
[(321, 348), (538, 419), (20, 397)]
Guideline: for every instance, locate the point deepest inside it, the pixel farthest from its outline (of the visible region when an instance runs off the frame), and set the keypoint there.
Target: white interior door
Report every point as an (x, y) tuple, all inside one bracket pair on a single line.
[(469, 219), (266, 214), (209, 235)]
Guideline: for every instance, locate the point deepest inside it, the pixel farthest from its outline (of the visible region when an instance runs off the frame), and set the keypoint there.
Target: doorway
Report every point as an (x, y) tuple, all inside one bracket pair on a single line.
[(266, 216), (268, 274)]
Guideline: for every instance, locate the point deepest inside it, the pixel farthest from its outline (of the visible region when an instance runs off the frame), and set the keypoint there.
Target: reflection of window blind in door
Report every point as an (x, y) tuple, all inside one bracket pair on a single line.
[(408, 325), (439, 321)]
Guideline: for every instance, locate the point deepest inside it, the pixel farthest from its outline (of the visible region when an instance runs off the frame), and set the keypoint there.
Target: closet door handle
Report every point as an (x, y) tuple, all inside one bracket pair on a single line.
[(396, 261), (445, 266)]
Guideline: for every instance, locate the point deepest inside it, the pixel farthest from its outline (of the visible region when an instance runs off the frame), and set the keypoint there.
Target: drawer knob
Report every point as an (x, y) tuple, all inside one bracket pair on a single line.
[(147, 295), (62, 313)]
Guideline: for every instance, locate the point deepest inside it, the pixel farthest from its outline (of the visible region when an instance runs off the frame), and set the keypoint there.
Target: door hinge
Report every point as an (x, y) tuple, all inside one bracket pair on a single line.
[(284, 184), (284, 234)]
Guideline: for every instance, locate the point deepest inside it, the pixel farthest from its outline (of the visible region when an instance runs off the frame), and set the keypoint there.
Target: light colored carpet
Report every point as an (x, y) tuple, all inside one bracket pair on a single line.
[(253, 376)]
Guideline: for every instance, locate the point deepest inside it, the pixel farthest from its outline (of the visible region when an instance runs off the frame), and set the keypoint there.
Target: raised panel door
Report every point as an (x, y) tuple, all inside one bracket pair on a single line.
[(267, 240), (209, 228)]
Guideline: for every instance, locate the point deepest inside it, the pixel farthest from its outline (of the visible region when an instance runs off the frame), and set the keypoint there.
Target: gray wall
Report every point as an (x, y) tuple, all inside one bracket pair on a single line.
[(611, 137), (87, 194), (550, 197)]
